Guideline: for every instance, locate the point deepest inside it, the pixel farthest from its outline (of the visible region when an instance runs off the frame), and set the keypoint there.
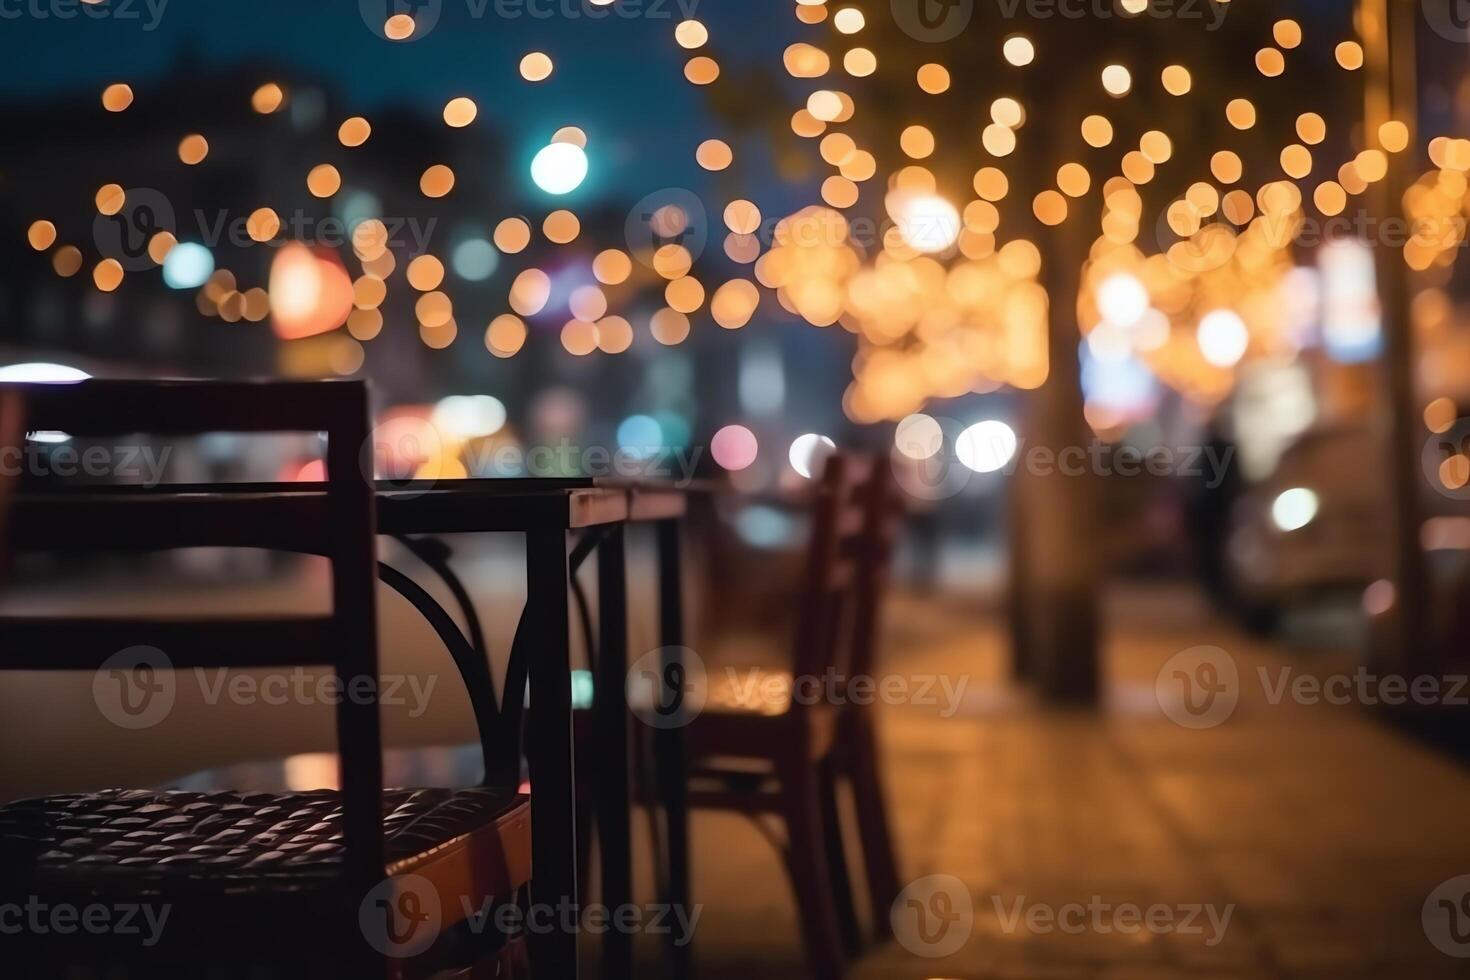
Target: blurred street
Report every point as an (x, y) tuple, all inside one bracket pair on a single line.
[(1324, 828)]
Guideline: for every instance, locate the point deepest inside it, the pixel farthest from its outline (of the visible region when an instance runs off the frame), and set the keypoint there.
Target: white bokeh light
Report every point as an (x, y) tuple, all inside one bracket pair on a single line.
[(918, 437), (1223, 338), (928, 223), (1294, 509), (559, 168), (809, 452), (986, 446), (1122, 300)]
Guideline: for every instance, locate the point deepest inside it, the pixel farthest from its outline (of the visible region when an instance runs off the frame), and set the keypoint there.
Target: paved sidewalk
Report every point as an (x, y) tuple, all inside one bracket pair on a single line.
[(1320, 831)]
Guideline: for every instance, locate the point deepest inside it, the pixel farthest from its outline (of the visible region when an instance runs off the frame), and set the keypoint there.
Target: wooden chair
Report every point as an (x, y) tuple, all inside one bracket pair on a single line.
[(314, 884), (857, 760), (776, 756)]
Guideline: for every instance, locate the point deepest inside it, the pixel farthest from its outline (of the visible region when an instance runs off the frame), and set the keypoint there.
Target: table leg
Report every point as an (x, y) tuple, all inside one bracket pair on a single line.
[(669, 743), (612, 800), (553, 924)]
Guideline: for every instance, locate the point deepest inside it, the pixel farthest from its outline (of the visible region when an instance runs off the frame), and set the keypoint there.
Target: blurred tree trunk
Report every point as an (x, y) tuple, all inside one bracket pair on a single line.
[(1388, 32), (1055, 565)]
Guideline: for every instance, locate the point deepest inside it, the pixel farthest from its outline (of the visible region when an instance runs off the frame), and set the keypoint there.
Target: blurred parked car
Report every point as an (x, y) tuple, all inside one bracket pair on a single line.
[(1321, 525), (1318, 525)]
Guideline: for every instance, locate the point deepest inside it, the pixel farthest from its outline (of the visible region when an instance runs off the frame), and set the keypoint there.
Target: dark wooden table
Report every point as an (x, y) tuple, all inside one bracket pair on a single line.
[(546, 511)]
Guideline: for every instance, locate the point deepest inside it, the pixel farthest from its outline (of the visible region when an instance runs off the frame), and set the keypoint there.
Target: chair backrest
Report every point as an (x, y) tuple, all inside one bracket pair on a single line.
[(338, 523), (12, 447), (882, 519), (834, 552)]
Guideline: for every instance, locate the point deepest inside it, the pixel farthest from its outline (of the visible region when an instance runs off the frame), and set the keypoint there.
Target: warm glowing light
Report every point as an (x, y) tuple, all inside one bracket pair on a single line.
[(512, 235), (310, 293), (505, 336), (323, 180), (117, 97), (193, 149), (933, 78), (691, 34), (1019, 51), (110, 199), (41, 235), (354, 131), (669, 327), (1350, 55), (1097, 131), (268, 98), (437, 181), (714, 155), (536, 67), (460, 112), (1117, 81)]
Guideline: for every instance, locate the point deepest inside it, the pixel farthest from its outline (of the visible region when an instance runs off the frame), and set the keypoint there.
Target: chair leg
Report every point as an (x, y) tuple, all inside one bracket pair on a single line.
[(585, 820), (806, 861), (837, 870), (881, 864)]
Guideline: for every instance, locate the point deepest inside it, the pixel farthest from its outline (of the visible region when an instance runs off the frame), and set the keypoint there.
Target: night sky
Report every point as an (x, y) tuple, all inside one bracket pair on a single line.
[(618, 77)]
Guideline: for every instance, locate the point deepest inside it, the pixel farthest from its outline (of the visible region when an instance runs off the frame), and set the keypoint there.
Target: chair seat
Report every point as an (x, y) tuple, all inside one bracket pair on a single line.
[(151, 842), (749, 690), (747, 714)]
